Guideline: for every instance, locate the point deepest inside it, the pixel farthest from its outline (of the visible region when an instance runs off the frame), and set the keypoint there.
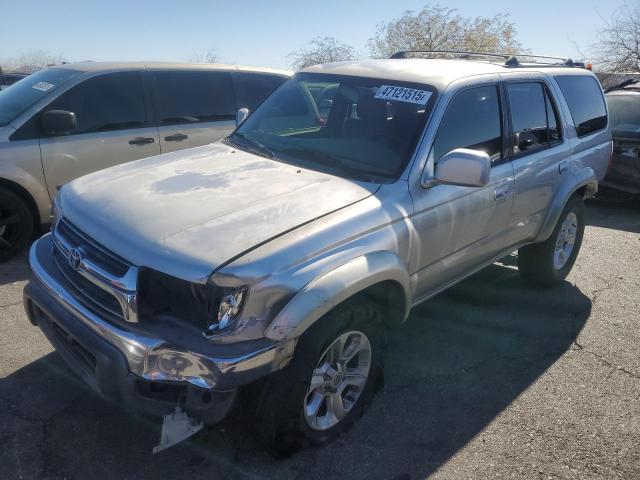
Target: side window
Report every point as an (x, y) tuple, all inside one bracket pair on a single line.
[(193, 97), (473, 121), (253, 88), (533, 117), (586, 102), (113, 101)]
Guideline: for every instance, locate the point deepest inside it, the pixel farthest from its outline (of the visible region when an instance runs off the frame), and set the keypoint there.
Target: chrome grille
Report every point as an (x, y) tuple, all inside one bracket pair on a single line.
[(99, 277)]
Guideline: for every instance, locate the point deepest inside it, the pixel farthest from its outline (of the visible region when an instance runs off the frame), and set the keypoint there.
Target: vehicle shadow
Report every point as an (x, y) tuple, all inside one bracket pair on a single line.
[(15, 270), (460, 360), (614, 214)]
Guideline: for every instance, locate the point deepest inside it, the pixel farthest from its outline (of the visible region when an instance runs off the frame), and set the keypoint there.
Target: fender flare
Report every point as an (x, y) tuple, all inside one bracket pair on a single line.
[(334, 287), (585, 177)]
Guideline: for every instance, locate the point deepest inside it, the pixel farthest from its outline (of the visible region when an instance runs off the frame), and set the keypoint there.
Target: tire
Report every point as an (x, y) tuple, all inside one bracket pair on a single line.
[(283, 397), (16, 224), (541, 264)]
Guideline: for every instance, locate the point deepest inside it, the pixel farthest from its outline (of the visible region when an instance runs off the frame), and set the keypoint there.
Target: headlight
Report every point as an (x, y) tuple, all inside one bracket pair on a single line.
[(231, 305)]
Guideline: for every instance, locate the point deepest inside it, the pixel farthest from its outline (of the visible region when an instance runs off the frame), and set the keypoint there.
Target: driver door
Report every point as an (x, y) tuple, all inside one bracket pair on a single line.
[(460, 228)]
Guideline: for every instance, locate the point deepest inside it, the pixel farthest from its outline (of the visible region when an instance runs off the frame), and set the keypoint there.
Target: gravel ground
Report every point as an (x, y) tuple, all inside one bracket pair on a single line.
[(490, 379)]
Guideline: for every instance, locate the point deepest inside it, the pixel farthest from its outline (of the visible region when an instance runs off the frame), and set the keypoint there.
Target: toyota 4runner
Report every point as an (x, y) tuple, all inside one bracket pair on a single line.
[(276, 260)]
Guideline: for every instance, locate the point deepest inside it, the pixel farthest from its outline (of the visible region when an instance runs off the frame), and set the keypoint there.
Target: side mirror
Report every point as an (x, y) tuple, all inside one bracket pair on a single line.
[(463, 167), (59, 122), (241, 116)]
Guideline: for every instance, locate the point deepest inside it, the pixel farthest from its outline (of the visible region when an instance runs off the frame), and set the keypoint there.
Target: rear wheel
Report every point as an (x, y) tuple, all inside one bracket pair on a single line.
[(16, 224), (334, 373), (548, 263)]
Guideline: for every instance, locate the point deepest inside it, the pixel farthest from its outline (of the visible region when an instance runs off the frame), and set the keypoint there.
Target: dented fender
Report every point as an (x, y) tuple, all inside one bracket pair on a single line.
[(332, 288)]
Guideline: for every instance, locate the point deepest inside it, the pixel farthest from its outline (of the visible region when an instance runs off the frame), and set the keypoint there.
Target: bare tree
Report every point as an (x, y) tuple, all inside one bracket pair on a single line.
[(210, 56), (618, 44), (32, 61), (441, 28), (321, 50)]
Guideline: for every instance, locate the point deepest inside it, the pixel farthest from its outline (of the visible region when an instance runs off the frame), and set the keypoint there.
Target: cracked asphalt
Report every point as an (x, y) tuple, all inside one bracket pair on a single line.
[(491, 379)]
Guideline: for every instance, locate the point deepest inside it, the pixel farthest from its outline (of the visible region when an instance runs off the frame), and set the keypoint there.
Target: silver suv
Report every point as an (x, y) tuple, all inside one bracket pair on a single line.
[(64, 122), (277, 260)]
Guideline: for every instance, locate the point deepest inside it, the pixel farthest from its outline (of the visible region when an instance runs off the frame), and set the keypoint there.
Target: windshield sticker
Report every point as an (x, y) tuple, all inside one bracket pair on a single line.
[(403, 94), (43, 86)]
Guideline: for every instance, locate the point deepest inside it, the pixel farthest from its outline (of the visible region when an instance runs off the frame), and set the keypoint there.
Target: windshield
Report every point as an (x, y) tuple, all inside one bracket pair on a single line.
[(624, 111), (26, 92), (355, 127)]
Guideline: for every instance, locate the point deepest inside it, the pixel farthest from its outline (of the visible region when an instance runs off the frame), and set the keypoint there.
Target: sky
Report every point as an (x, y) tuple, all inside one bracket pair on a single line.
[(263, 33)]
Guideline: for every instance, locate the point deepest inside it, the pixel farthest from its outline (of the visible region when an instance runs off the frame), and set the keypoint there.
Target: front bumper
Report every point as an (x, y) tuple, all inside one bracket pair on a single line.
[(138, 367), (624, 171)]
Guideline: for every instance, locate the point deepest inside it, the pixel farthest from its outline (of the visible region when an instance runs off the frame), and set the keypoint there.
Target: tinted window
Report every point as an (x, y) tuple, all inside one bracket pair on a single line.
[(472, 120), (253, 88), (624, 111), (533, 117), (113, 101), (192, 97), (586, 103), (15, 100)]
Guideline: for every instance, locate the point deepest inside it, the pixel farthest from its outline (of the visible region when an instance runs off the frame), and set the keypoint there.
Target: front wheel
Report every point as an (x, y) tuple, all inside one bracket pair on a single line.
[(335, 371), (548, 263), (16, 224)]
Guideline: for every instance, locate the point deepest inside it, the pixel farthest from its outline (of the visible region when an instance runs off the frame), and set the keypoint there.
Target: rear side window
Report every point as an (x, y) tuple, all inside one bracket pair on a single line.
[(586, 103), (473, 121), (253, 88), (533, 118), (193, 97), (113, 101)]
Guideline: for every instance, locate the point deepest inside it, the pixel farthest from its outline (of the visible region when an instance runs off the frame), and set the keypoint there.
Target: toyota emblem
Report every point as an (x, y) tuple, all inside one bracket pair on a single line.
[(75, 258)]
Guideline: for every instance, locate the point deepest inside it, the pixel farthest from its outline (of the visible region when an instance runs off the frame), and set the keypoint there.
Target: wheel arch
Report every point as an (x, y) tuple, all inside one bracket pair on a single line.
[(583, 183), (24, 194), (380, 276)]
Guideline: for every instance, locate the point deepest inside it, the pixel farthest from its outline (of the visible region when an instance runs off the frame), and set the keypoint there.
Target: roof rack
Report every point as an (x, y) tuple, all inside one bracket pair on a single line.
[(510, 59)]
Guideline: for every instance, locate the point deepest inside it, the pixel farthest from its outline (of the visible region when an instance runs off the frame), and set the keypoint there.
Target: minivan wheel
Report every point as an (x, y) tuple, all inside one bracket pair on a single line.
[(16, 224), (548, 263), (335, 370)]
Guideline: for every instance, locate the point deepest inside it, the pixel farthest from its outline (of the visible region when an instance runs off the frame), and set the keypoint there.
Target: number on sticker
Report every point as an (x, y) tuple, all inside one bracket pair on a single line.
[(403, 94)]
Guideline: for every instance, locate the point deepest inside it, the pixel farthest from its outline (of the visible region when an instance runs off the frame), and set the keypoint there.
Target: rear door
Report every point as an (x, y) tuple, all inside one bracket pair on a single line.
[(114, 126), (538, 152), (193, 108)]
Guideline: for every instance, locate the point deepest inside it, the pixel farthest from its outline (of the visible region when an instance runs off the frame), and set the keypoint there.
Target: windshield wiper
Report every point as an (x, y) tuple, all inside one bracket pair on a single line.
[(332, 162), (262, 150)]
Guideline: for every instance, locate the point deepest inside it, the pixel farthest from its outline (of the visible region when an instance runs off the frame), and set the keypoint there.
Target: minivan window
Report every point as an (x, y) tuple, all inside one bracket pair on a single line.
[(533, 117), (192, 97), (113, 101), (472, 121), (18, 98), (368, 131), (253, 88), (586, 102)]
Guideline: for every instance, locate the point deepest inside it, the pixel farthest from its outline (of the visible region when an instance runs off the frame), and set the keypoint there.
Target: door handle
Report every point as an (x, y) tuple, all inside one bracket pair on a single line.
[(563, 167), (178, 137), (141, 141), (503, 191)]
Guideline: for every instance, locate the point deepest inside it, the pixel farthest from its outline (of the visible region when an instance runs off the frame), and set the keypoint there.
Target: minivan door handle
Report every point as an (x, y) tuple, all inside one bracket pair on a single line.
[(141, 141), (503, 191), (178, 137)]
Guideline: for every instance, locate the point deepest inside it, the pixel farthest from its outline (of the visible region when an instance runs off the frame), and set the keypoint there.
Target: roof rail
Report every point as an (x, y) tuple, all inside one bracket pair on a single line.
[(510, 59)]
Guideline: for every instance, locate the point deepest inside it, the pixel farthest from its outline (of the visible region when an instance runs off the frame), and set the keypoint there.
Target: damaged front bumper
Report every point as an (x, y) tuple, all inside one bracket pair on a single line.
[(132, 365)]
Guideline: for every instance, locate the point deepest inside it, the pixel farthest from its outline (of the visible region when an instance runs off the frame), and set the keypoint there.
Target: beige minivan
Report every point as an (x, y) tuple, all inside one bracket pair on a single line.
[(67, 121)]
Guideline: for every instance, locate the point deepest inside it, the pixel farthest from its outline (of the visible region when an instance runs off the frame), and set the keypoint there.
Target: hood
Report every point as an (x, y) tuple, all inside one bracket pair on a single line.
[(188, 212)]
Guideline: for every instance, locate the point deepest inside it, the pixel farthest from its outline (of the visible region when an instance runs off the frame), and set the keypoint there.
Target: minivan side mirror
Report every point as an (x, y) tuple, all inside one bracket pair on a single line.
[(59, 122), (463, 167), (241, 116)]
